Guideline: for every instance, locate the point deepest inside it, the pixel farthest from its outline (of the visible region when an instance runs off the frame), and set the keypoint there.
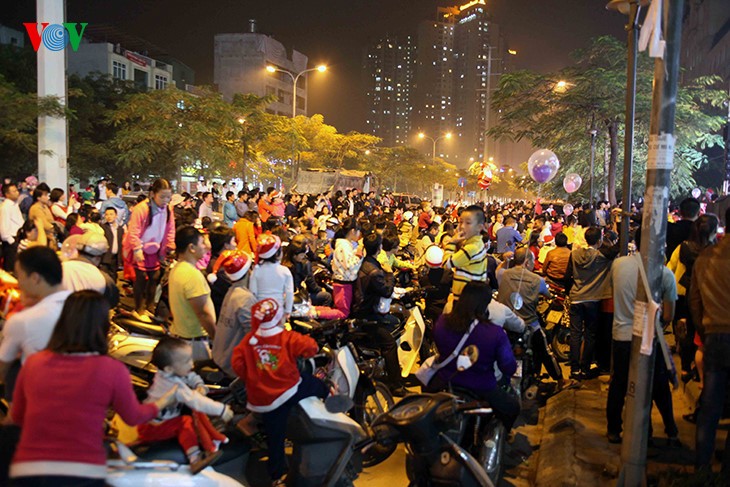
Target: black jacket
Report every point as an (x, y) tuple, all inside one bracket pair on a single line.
[(302, 273), (372, 284), (109, 258)]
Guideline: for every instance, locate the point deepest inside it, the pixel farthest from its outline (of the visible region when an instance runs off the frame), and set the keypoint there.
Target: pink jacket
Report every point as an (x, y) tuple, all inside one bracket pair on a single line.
[(138, 223)]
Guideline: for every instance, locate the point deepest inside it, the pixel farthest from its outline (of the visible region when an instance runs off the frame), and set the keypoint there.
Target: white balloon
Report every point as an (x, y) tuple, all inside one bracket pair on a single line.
[(696, 193), (543, 165)]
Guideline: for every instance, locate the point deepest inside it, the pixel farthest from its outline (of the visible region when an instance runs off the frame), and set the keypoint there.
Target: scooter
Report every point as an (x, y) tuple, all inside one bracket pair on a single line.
[(354, 371), (554, 313), (413, 335), (430, 426)]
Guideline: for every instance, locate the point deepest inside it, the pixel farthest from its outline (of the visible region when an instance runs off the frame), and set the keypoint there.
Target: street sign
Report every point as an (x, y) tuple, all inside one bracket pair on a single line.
[(462, 182)]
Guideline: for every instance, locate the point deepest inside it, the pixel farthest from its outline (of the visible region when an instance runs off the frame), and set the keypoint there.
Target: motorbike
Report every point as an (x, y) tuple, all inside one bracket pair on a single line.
[(414, 334), (354, 371), (554, 313), (524, 381), (433, 426)]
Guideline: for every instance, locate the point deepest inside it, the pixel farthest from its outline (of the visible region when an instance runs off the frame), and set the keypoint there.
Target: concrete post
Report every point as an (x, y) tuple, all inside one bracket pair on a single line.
[(52, 131), (653, 229)]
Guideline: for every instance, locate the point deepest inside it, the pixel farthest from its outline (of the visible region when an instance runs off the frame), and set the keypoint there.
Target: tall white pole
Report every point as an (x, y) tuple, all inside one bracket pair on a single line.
[(52, 131), (488, 104)]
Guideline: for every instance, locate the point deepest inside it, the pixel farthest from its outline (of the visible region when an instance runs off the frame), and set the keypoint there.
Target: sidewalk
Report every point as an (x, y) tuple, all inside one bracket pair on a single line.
[(574, 449)]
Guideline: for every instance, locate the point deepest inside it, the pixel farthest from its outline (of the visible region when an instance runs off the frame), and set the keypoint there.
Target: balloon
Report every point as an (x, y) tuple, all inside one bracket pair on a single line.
[(516, 300), (572, 182), (543, 165), (696, 193), (484, 183), (68, 249), (567, 209)]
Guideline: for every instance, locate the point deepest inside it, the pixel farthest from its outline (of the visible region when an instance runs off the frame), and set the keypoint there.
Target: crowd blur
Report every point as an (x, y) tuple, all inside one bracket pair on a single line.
[(233, 262)]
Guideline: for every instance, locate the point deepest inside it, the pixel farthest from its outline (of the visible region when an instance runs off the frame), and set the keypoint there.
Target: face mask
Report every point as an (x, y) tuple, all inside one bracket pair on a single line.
[(463, 362)]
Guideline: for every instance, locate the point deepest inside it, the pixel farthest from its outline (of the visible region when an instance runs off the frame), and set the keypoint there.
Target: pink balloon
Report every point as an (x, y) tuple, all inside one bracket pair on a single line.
[(572, 182)]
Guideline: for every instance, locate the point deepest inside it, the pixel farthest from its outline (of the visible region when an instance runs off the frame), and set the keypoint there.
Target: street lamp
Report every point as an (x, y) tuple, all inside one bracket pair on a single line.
[(630, 8), (295, 78), (421, 135)]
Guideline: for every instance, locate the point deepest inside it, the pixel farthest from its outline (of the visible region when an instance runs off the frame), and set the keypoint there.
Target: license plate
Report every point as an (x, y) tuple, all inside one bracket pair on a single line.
[(518, 372), (554, 316)]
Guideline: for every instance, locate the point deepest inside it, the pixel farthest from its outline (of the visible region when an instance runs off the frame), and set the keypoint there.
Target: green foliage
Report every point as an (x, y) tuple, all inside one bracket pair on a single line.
[(536, 107)]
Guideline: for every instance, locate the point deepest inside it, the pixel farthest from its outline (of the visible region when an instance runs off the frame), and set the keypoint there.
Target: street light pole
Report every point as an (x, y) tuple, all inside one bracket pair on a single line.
[(295, 79), (421, 135), (631, 7), (593, 132)]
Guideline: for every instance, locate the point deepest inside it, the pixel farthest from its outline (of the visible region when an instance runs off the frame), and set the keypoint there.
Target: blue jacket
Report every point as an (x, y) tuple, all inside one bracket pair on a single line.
[(230, 215), (119, 205)]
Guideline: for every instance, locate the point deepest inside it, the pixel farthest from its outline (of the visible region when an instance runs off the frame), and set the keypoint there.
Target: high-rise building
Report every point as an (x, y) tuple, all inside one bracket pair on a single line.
[(240, 62), (389, 71), (432, 111), (480, 56)]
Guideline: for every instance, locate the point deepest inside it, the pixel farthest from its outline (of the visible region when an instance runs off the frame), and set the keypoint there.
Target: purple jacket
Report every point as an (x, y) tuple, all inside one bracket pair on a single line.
[(493, 345)]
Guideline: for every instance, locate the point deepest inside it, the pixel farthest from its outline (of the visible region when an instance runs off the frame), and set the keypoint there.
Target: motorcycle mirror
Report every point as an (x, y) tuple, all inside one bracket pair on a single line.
[(338, 403), (467, 358), (516, 300)]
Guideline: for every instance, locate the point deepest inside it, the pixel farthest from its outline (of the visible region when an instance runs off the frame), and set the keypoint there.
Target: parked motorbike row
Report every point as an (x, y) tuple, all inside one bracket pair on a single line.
[(450, 438)]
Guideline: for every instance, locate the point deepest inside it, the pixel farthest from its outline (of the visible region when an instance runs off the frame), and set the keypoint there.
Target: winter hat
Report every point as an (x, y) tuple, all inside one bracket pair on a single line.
[(235, 263), (265, 318), (268, 245), (548, 239), (434, 256)]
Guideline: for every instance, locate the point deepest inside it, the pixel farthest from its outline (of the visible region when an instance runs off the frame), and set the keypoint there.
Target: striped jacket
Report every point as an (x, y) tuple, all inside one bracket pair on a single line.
[(469, 263)]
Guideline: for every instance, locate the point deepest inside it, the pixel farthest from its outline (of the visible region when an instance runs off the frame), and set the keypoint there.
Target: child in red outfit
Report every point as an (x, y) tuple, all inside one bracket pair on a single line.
[(174, 360), (266, 360)]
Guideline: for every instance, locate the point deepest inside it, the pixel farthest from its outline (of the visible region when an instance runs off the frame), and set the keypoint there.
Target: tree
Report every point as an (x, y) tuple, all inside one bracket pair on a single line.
[(558, 116), (92, 99), (161, 132), (19, 114)]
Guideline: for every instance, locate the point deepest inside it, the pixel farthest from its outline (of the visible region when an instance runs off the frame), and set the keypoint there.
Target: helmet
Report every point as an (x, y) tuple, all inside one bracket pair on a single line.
[(434, 256), (407, 215), (92, 243)]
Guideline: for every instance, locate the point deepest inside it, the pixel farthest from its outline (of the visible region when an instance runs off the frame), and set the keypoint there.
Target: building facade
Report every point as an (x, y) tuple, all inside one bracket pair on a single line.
[(120, 63), (706, 39), (389, 70), (11, 37), (240, 62)]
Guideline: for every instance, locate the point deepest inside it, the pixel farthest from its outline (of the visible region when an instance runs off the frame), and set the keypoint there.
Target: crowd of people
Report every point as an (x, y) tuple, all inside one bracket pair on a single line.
[(235, 261)]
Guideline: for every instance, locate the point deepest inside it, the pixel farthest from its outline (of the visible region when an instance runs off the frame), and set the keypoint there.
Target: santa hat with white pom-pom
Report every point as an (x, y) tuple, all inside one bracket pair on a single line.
[(265, 319), (235, 263)]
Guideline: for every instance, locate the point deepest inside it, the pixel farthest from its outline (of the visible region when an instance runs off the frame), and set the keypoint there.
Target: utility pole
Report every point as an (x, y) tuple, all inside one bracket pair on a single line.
[(660, 161)]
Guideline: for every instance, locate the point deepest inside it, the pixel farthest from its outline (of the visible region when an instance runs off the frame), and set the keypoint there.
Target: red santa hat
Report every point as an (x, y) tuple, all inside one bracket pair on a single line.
[(268, 245), (265, 318), (235, 263)]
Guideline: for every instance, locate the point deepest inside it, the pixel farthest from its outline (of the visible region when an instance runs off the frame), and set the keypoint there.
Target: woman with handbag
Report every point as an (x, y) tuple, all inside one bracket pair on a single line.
[(465, 329)]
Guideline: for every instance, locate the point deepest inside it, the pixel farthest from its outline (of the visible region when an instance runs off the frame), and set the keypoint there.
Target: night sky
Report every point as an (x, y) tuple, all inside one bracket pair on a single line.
[(335, 32)]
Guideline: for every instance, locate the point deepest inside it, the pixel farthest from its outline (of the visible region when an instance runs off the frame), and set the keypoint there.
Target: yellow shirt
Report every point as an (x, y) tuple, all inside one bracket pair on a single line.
[(469, 263), (186, 282)]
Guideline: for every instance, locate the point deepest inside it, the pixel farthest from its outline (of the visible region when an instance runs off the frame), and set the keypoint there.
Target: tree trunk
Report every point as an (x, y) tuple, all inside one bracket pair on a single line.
[(613, 156), (606, 154)]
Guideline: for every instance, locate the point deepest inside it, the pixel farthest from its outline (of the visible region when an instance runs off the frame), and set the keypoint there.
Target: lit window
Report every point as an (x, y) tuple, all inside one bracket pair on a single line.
[(119, 70)]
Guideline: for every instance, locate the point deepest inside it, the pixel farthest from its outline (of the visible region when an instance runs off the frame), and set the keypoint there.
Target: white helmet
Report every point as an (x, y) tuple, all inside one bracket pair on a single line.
[(434, 256), (92, 243), (407, 215)]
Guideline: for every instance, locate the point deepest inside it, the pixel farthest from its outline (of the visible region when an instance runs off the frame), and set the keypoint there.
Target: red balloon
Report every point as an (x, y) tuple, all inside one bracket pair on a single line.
[(484, 183)]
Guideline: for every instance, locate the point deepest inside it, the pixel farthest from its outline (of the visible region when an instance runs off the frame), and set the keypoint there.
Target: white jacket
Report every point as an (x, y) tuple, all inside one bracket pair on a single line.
[(186, 395), (345, 262)]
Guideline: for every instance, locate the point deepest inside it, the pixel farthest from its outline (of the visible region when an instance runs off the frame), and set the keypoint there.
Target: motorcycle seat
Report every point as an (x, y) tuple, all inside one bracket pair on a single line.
[(140, 327), (172, 451)]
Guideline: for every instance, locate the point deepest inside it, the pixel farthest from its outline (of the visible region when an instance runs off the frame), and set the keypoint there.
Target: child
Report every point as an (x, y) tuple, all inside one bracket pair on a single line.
[(174, 361), (270, 279), (266, 360), (465, 253)]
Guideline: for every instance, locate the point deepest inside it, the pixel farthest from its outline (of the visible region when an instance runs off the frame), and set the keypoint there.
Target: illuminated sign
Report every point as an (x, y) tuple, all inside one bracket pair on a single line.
[(472, 3)]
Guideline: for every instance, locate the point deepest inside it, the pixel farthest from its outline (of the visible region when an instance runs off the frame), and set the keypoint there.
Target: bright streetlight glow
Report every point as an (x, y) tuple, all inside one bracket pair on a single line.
[(271, 69), (561, 84), (448, 135), (512, 52), (321, 68), (241, 120), (367, 152), (421, 135)]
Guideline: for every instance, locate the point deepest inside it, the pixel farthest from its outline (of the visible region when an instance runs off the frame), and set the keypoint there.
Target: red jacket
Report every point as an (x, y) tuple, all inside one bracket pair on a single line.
[(268, 366)]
